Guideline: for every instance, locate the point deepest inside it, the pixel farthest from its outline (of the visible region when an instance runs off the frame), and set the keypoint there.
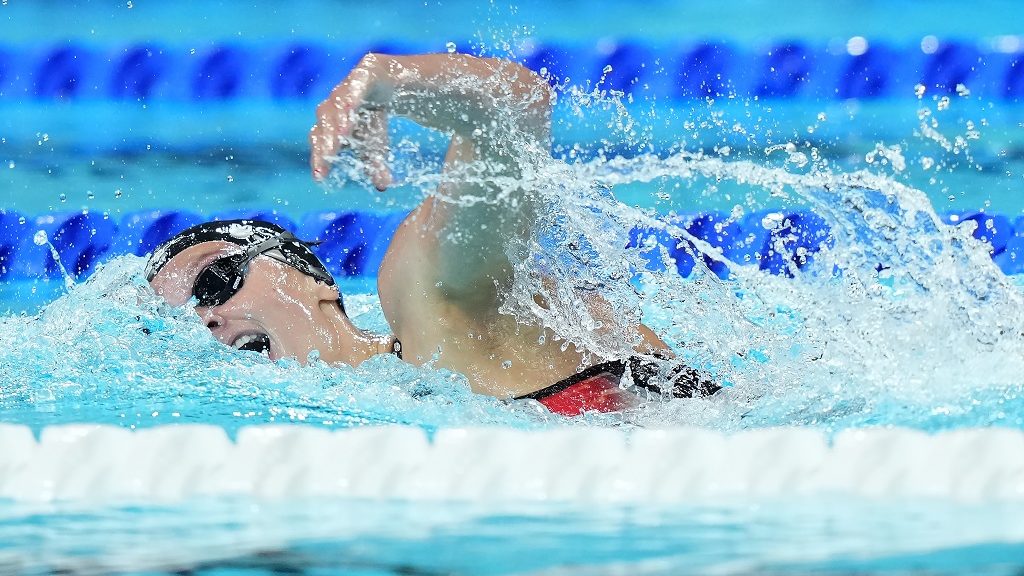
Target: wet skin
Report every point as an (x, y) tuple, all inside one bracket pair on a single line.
[(440, 296), (297, 313)]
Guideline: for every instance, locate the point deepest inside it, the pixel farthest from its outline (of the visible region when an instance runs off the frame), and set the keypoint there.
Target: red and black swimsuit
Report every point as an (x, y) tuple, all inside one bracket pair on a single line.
[(599, 388)]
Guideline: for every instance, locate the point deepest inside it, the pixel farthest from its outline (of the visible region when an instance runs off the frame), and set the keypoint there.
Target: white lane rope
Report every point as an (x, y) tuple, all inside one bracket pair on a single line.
[(105, 463)]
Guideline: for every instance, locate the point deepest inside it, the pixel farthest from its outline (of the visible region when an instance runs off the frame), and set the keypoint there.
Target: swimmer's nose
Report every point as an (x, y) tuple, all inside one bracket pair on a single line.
[(210, 318)]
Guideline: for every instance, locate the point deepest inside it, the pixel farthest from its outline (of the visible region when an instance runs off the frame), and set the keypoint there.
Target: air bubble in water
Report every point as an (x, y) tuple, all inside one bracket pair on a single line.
[(40, 237), (450, 47), (506, 364)]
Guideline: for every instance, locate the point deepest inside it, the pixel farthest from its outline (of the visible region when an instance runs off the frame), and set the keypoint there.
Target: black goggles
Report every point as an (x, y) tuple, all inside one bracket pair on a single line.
[(224, 277)]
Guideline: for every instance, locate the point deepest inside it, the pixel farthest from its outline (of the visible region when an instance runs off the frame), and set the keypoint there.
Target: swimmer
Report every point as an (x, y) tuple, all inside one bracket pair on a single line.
[(259, 287)]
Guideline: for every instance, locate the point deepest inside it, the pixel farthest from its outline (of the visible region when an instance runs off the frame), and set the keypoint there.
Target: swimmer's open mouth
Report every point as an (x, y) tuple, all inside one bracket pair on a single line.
[(253, 343)]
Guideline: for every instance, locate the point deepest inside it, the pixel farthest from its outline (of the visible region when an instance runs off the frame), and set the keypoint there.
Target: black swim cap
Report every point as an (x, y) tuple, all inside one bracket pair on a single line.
[(244, 233)]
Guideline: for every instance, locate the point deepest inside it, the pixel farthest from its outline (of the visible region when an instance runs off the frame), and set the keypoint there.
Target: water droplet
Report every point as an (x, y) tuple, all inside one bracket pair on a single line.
[(21, 220), (40, 237), (90, 195), (11, 164), (450, 47), (231, 178), (117, 193), (943, 103), (929, 44), (506, 364), (607, 69), (962, 91), (771, 221), (63, 197), (919, 91), (856, 45), (822, 117)]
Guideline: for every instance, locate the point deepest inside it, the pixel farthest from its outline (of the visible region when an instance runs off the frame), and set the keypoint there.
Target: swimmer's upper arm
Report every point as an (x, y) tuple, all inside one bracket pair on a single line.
[(473, 229), (495, 111)]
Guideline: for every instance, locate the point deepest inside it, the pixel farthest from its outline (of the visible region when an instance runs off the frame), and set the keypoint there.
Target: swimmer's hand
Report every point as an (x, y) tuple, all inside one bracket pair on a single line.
[(354, 117), (481, 102)]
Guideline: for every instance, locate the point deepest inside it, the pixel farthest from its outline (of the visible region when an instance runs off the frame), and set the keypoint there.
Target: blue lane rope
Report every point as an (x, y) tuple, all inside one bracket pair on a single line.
[(306, 70), (352, 243)]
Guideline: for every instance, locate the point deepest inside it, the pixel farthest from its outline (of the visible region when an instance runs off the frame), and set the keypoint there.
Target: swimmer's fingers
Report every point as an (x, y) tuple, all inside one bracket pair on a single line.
[(331, 131), (317, 152), (370, 134)]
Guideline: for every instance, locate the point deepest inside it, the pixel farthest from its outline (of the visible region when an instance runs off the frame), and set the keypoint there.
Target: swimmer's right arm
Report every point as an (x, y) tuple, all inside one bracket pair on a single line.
[(495, 110), (454, 93)]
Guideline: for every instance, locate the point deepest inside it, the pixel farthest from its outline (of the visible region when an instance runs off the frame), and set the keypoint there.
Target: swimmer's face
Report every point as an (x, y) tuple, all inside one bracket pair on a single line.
[(278, 310)]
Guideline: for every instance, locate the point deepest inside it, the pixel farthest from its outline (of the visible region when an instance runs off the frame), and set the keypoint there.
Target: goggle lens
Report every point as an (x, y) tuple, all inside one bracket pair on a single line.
[(219, 281)]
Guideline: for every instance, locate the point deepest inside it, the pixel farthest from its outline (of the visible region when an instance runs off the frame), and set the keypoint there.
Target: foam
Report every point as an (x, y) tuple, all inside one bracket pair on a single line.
[(600, 465)]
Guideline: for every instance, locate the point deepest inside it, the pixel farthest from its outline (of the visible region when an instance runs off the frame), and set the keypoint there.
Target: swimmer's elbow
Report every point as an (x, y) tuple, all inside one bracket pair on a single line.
[(532, 94)]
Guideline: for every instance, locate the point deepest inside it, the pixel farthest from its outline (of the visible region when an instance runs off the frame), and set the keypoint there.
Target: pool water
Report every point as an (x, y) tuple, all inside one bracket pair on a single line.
[(897, 323)]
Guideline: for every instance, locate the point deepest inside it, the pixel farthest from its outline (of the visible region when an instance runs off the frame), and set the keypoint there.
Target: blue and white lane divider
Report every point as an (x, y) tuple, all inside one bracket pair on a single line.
[(167, 463), (859, 68), (353, 243)]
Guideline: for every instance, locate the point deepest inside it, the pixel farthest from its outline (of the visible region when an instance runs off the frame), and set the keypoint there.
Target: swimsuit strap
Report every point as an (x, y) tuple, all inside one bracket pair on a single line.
[(615, 367), (599, 388), (595, 389)]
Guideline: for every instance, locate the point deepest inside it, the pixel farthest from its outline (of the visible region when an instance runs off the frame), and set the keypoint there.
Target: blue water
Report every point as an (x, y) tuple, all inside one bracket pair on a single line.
[(81, 355), (232, 537)]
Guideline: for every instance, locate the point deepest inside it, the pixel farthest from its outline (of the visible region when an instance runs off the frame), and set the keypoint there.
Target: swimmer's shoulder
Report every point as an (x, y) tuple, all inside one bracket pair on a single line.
[(405, 279)]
